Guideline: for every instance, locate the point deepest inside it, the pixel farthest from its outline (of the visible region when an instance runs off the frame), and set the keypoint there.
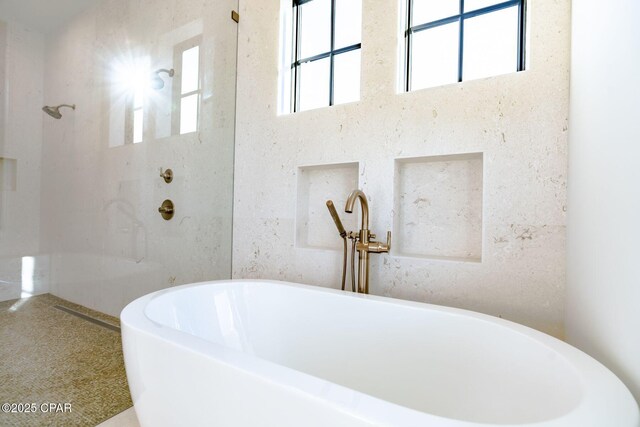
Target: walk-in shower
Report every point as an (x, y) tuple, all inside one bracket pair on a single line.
[(55, 111)]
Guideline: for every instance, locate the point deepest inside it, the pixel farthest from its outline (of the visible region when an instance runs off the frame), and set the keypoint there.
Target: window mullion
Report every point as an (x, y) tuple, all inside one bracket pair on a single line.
[(460, 41), (296, 68), (331, 54), (521, 34), (193, 92), (408, 46)]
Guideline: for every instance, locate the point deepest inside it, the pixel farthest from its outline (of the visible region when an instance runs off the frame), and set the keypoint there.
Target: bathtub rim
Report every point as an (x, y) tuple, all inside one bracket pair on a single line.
[(597, 384)]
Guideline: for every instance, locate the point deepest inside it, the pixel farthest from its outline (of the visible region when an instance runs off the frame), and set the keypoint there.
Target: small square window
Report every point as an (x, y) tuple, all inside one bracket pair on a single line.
[(137, 125), (190, 70), (314, 27), (449, 41), (313, 84), (490, 46), (441, 43), (189, 114), (346, 79)]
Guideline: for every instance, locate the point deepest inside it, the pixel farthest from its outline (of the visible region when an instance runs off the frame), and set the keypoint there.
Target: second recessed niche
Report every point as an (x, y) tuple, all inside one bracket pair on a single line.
[(438, 207), (316, 185)]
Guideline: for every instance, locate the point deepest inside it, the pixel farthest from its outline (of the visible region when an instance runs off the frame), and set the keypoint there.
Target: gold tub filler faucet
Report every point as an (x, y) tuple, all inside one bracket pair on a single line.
[(360, 241)]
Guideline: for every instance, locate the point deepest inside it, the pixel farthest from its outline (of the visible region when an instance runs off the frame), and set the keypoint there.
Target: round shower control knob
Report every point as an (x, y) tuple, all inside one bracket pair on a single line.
[(167, 175), (167, 209)]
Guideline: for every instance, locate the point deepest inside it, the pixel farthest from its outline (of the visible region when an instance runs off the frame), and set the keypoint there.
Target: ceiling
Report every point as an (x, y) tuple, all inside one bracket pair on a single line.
[(43, 15)]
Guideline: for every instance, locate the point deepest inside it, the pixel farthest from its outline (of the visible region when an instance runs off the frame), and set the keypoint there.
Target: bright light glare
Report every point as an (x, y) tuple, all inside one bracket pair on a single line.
[(132, 77), (28, 270), (131, 82)]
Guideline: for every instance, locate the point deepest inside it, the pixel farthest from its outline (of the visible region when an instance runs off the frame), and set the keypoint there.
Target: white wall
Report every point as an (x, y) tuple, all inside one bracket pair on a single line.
[(603, 278), (518, 122)]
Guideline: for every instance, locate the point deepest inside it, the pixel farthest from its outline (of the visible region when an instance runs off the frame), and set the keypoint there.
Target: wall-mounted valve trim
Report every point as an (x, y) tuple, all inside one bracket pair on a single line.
[(167, 175), (167, 209)]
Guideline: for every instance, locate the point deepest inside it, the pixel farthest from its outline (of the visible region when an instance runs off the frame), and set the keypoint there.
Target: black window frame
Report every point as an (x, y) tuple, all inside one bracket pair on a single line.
[(331, 53), (461, 17)]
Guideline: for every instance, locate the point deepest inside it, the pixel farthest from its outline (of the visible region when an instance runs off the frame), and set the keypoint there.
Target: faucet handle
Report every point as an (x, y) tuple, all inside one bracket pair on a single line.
[(167, 175), (379, 247)]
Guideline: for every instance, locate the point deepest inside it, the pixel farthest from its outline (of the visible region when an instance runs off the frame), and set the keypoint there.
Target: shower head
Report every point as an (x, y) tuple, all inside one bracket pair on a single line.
[(55, 111), (156, 82)]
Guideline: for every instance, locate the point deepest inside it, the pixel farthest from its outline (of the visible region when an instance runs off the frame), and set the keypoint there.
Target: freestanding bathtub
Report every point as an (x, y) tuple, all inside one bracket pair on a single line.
[(274, 354)]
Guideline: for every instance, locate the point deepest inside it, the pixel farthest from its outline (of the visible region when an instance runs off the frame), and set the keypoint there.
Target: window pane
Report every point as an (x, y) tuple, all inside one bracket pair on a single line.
[(491, 44), (314, 84), (314, 28), (431, 10), (190, 69), (137, 126), (434, 59), (189, 114), (346, 77), (138, 97), (470, 5), (348, 22)]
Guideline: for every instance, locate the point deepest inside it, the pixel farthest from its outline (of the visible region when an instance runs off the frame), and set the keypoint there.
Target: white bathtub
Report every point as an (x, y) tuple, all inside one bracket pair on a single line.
[(262, 354)]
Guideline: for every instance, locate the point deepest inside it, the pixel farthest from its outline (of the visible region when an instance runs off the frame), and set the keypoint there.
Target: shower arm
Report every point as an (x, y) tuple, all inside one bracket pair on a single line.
[(170, 72)]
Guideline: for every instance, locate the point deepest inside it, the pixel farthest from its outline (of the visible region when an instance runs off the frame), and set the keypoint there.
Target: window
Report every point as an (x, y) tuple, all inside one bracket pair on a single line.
[(324, 65), (128, 93), (134, 115), (449, 41), (138, 115), (188, 88)]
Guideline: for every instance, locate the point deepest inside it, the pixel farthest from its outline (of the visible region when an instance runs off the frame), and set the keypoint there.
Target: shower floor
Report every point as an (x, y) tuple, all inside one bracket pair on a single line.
[(67, 367)]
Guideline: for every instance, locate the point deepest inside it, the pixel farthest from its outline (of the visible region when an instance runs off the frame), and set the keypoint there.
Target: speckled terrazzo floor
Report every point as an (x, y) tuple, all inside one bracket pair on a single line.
[(50, 356)]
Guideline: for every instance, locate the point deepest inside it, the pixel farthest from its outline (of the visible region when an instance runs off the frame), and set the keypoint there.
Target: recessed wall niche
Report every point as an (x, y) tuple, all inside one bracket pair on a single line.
[(438, 207), (316, 185)]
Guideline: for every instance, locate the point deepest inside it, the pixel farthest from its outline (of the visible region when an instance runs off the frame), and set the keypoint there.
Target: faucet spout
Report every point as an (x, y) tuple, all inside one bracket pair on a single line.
[(357, 194)]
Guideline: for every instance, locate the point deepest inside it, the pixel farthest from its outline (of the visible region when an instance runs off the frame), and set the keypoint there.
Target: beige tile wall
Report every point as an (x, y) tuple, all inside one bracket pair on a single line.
[(518, 122)]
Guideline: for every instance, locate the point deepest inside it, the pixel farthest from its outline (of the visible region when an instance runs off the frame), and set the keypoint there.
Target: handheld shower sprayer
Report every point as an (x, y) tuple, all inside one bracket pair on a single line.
[(343, 234), (336, 218)]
